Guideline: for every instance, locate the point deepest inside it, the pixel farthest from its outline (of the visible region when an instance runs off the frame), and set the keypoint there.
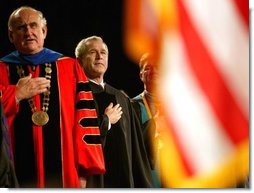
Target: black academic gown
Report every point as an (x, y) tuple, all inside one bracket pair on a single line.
[(126, 161)]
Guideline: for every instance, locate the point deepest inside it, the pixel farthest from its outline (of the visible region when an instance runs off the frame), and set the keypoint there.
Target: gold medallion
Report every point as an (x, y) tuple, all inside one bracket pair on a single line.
[(40, 118), (48, 70)]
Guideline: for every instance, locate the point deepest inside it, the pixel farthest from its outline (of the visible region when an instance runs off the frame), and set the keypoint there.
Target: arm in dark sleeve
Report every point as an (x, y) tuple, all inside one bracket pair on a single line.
[(104, 124)]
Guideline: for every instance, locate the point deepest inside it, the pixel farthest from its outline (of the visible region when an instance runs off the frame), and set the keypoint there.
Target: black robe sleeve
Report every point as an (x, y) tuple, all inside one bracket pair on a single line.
[(126, 161), (104, 123)]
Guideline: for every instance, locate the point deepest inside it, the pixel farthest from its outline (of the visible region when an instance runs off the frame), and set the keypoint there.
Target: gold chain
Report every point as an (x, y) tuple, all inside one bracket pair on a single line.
[(39, 118)]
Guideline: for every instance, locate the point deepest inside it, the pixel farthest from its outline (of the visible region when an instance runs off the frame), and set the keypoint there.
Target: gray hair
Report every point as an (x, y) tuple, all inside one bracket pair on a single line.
[(81, 48), (15, 12)]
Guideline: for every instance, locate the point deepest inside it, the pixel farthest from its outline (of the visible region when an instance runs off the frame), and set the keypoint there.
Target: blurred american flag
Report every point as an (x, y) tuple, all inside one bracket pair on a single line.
[(202, 50)]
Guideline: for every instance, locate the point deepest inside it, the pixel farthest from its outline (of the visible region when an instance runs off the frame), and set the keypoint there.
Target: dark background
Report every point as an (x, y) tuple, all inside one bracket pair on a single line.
[(70, 21)]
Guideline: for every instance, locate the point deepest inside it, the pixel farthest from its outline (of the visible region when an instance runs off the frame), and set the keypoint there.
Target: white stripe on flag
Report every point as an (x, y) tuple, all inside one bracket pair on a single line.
[(226, 38), (201, 135)]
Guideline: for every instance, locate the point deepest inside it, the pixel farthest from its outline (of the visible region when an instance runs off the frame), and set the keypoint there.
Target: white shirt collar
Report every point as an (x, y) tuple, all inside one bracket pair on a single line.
[(101, 84)]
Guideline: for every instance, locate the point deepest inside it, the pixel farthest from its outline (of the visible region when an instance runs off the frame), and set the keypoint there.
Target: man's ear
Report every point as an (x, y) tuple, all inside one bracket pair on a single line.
[(10, 34), (141, 76), (44, 31), (80, 62)]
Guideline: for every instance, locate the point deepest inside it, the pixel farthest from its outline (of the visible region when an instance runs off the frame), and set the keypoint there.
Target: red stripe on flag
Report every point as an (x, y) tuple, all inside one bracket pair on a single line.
[(211, 81), (243, 7)]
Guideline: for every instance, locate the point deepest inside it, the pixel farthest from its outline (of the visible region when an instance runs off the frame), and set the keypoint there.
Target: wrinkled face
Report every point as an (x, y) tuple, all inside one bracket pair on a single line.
[(149, 75), (95, 62), (28, 32)]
